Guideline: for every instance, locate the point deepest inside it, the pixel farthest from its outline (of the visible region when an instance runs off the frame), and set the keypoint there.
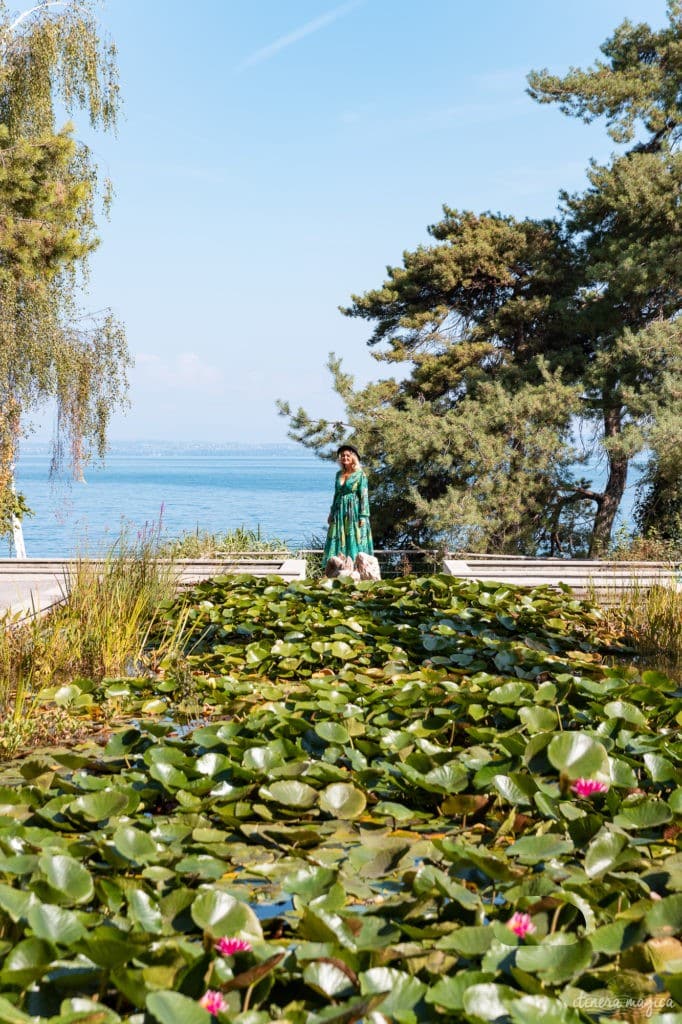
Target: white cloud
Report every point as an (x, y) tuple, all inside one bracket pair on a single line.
[(186, 371), (266, 52)]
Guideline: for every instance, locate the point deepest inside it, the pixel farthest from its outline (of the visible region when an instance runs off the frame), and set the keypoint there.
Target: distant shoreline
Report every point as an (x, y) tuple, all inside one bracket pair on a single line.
[(144, 447)]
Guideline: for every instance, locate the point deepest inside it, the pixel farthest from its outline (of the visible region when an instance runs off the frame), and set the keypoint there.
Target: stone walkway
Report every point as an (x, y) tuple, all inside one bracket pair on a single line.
[(32, 585), (26, 589)]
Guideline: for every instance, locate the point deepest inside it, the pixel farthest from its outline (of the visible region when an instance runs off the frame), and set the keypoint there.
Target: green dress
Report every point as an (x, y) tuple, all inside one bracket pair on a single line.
[(349, 531)]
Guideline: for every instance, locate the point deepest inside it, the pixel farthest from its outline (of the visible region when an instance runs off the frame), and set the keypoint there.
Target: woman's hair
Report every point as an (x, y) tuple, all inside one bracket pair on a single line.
[(353, 453)]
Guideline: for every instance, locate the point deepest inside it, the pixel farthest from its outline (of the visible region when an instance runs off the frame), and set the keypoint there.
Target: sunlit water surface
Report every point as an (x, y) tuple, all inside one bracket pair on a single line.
[(284, 492)]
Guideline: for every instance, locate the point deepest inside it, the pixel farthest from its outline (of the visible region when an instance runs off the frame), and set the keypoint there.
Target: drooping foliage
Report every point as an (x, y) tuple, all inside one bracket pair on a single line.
[(50, 350), (534, 346)]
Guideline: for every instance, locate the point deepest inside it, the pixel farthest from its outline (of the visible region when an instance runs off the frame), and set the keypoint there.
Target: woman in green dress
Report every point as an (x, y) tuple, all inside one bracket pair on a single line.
[(349, 530)]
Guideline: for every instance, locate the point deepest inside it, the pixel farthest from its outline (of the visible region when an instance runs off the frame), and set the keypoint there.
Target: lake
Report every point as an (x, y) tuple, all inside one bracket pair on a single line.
[(281, 490)]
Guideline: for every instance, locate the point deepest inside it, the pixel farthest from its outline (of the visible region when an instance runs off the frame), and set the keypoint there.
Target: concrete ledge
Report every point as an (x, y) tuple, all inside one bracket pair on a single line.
[(30, 586), (606, 580), (21, 598), (193, 571)]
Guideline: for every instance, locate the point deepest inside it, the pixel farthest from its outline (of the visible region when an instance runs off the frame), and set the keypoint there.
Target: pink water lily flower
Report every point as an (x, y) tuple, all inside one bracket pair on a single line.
[(213, 1002), (228, 947), (521, 924), (588, 787)]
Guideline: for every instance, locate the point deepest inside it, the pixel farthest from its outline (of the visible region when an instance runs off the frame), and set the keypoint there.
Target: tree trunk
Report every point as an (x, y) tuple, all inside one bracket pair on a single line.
[(612, 494)]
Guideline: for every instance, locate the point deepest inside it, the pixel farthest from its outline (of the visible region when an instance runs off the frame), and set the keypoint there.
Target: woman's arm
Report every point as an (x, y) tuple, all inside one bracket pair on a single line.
[(364, 498), (334, 499)]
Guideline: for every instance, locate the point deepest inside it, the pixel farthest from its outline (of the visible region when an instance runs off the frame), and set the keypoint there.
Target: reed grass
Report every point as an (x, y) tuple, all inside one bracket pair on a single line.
[(203, 543), (99, 630), (650, 620)]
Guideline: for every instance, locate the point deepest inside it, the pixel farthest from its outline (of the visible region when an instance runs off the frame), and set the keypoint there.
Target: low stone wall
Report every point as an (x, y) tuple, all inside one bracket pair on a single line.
[(605, 580), (31, 586)]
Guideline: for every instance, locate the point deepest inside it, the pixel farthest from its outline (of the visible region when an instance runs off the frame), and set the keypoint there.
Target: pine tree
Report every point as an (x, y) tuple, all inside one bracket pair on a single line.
[(628, 228), (524, 335)]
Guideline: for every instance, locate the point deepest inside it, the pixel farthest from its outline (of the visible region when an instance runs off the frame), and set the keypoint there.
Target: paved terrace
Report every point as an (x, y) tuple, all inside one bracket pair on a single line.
[(32, 585)]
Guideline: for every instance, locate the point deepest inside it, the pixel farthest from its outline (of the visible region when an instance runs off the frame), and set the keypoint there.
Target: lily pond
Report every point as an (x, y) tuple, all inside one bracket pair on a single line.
[(417, 800)]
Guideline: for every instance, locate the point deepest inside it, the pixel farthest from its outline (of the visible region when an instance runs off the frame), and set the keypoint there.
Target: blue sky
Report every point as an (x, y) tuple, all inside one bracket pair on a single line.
[(274, 157)]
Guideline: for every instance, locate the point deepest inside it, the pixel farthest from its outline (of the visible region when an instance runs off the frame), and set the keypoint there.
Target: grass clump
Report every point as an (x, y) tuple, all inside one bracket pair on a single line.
[(201, 543), (99, 630), (652, 548), (651, 621)]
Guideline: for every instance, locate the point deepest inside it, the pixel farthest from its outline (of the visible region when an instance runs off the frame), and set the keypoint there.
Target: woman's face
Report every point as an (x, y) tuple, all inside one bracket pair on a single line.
[(347, 461)]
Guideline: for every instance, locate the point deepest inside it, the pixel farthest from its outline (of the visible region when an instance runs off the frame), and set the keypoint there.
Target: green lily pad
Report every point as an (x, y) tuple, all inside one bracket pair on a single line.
[(100, 806), (55, 924), (220, 914), (67, 876), (134, 844), (343, 800), (578, 755), (174, 1008), (291, 794), (643, 815)]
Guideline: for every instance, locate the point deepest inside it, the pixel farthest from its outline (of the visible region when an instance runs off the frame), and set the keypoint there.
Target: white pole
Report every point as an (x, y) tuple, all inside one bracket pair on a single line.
[(17, 530)]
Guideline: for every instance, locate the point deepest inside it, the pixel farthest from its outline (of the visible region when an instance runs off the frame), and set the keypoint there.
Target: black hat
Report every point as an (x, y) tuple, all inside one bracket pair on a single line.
[(347, 448)]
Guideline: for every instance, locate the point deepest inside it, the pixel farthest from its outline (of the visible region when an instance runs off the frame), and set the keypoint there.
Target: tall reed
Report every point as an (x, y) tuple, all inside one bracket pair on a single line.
[(651, 621), (98, 630), (111, 603), (202, 543)]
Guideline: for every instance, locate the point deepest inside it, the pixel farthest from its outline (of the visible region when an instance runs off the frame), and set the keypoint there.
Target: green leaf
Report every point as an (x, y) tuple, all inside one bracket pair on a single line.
[(27, 962), (403, 991), (342, 800), (469, 941), (450, 992), (9, 1014), (578, 755), (134, 844), (220, 914), (534, 849), (15, 902), (55, 924), (350, 1012), (658, 680), (174, 1008), (332, 732), (665, 917), (290, 793), (488, 1001), (518, 790), (646, 814), (170, 776), (555, 962), (340, 649), (628, 712), (67, 876), (101, 806), (538, 719), (108, 946), (261, 759), (603, 852), (212, 764), (535, 1009), (144, 911), (329, 978)]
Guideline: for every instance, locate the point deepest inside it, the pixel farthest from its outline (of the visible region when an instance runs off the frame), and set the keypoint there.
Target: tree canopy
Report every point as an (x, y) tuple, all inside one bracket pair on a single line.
[(535, 346), (50, 349)]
